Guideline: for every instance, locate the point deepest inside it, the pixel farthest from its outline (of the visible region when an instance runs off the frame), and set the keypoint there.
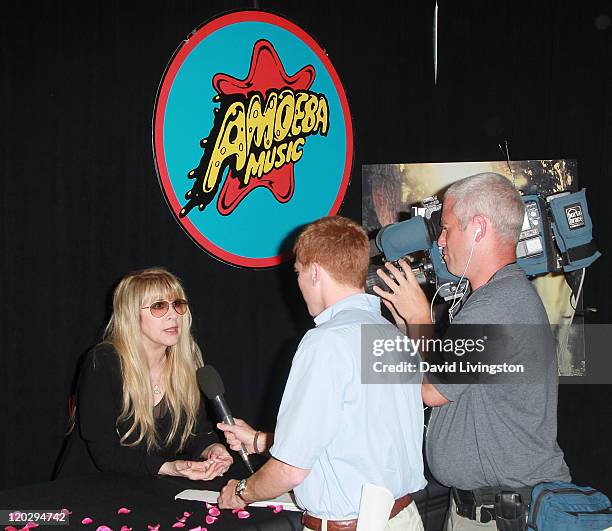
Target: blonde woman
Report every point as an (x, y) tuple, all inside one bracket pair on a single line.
[(139, 409)]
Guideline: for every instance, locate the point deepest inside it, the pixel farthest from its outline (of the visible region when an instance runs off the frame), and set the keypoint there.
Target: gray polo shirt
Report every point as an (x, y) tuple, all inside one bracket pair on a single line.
[(500, 434)]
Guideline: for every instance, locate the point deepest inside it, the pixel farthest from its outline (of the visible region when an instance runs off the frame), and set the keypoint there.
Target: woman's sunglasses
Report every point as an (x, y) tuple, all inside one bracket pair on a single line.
[(160, 308)]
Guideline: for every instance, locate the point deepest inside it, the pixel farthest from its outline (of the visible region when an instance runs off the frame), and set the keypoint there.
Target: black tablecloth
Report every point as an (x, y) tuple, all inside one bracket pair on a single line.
[(151, 502)]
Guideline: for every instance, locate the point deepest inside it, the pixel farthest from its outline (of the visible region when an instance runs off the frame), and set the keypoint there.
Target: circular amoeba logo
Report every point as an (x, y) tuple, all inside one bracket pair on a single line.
[(252, 136)]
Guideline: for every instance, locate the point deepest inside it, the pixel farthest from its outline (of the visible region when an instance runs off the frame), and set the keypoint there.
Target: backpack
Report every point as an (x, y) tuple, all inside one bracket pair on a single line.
[(562, 506)]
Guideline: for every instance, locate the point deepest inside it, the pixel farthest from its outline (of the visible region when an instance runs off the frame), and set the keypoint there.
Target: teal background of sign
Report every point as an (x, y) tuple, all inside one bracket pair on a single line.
[(260, 223)]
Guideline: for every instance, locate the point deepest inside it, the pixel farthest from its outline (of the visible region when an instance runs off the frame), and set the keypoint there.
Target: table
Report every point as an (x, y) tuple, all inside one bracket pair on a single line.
[(151, 502)]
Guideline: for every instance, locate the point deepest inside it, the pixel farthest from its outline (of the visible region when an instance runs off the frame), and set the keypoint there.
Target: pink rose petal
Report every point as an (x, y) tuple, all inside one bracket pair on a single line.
[(198, 529), (186, 514), (87, 521), (124, 510), (10, 528), (243, 514), (125, 528), (178, 524), (278, 508), (208, 505), (234, 511), (153, 527), (66, 511), (214, 511), (104, 528), (181, 519), (210, 519)]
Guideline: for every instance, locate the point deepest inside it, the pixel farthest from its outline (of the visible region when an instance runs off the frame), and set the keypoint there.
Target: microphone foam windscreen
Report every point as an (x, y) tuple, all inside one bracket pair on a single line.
[(210, 382)]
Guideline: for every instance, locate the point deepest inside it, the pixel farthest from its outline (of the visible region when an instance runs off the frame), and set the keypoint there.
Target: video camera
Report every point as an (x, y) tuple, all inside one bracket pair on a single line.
[(557, 235)]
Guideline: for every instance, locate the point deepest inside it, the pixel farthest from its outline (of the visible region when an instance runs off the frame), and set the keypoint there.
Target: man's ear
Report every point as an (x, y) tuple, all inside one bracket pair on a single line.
[(479, 224), (315, 272)]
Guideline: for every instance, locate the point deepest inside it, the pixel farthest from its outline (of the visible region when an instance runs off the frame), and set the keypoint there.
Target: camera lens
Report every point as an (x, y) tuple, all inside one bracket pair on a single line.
[(372, 278)]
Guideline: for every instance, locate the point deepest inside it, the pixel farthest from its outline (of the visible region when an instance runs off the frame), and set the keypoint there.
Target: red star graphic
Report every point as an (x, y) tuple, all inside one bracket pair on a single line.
[(266, 72)]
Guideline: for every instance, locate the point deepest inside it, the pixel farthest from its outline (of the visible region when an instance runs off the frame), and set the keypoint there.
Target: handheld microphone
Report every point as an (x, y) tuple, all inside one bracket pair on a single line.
[(211, 385)]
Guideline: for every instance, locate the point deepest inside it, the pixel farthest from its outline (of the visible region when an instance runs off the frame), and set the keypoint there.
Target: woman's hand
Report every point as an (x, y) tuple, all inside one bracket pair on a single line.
[(218, 461), (237, 434), (195, 470), (219, 458)]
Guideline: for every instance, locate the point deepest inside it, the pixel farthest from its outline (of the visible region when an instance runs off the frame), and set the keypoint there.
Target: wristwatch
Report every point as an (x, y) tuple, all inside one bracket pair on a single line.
[(241, 487)]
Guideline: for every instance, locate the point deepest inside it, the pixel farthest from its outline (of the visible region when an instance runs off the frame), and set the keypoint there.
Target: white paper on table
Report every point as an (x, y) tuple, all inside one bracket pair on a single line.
[(374, 508), (211, 496)]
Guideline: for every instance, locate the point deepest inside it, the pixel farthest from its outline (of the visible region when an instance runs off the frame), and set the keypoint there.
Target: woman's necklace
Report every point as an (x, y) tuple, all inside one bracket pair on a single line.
[(156, 388)]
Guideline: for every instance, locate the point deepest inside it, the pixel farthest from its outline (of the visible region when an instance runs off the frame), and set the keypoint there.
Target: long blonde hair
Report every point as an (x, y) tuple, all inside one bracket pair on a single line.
[(123, 331)]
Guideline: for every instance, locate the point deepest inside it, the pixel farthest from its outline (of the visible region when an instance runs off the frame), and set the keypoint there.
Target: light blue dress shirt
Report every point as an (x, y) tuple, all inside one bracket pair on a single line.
[(345, 432)]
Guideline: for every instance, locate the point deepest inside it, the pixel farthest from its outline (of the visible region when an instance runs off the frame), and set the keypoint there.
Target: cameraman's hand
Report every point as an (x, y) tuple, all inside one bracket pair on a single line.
[(406, 298)]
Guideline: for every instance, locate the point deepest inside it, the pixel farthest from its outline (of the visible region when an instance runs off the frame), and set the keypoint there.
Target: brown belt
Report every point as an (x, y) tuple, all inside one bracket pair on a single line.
[(314, 523)]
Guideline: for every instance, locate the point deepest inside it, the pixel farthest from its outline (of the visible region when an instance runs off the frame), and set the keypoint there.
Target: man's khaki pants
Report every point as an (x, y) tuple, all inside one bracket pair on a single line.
[(407, 519)]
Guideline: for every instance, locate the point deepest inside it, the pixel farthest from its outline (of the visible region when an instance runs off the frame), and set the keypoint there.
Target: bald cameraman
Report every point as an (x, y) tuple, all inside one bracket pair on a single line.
[(486, 438)]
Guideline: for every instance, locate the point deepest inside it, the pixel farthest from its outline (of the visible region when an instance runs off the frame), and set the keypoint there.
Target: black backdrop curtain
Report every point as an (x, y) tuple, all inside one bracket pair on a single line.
[(81, 205)]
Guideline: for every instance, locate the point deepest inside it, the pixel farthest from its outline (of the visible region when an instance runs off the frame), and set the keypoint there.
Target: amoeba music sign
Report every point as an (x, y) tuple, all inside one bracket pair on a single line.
[(252, 136)]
